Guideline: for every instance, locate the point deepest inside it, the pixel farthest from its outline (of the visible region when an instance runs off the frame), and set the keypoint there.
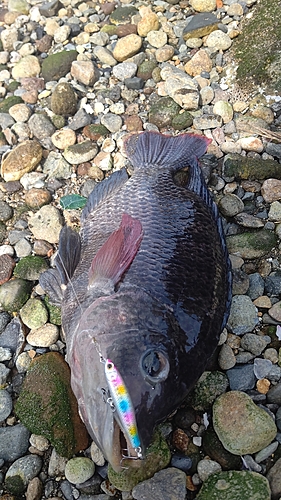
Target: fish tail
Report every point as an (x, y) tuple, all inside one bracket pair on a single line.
[(174, 152)]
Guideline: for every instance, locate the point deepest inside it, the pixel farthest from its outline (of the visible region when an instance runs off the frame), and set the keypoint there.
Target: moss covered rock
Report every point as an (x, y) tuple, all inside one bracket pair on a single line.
[(30, 267), (259, 58), (251, 245), (157, 457), (123, 15), (244, 167), (34, 313), (8, 102), (14, 294), (54, 312), (47, 405), (163, 112), (57, 65), (208, 388), (234, 485)]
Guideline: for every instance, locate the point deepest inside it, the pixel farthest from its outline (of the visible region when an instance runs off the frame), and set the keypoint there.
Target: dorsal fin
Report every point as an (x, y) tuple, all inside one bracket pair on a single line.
[(104, 189)]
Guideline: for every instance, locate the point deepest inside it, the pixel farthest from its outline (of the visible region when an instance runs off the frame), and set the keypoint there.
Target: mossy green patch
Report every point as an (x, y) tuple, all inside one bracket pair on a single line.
[(123, 15), (252, 245), (30, 267), (208, 388), (234, 485), (163, 112), (259, 57), (157, 457), (57, 65), (8, 102), (14, 294), (241, 167), (54, 312), (15, 485), (47, 405)]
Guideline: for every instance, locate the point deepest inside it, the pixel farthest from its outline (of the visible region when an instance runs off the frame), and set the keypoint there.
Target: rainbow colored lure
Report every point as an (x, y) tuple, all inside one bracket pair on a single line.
[(123, 405)]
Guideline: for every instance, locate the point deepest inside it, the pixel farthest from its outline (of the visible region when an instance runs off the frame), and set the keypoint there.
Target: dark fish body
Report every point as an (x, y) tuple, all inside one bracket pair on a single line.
[(160, 316)]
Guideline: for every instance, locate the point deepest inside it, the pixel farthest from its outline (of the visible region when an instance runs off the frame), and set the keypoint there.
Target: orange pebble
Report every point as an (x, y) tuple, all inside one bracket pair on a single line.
[(219, 4), (263, 385)]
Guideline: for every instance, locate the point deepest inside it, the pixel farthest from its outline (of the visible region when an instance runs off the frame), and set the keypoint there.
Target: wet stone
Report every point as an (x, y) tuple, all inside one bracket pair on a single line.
[(241, 378), (43, 336), (228, 485), (26, 468), (168, 484), (230, 205), (14, 442), (79, 470), (14, 294), (34, 314), (6, 406), (207, 467), (243, 315), (226, 357), (253, 343)]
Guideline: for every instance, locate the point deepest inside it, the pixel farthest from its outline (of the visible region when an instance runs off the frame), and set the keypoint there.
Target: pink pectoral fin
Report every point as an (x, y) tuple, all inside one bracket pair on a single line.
[(118, 252)]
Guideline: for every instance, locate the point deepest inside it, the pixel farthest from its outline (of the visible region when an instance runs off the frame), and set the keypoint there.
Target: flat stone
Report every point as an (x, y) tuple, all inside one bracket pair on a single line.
[(25, 468), (274, 479), (243, 315), (57, 65), (271, 190), (251, 245), (274, 213), (218, 40), (127, 47), (81, 152), (251, 144), (46, 224), (198, 63), (242, 377), (40, 126), (104, 55), (241, 426), (200, 25), (23, 158), (234, 484), (207, 121), (230, 205), (14, 442), (44, 336), (167, 484)]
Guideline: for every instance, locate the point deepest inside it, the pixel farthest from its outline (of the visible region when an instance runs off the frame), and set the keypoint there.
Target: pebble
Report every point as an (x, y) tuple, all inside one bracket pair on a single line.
[(242, 427), (253, 343), (26, 468), (206, 468), (23, 158), (44, 336), (46, 224), (241, 378), (6, 405), (243, 315), (262, 367), (79, 470), (14, 442), (168, 484)]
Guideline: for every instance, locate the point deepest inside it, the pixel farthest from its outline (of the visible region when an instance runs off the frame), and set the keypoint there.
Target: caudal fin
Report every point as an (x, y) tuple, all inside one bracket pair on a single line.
[(152, 148)]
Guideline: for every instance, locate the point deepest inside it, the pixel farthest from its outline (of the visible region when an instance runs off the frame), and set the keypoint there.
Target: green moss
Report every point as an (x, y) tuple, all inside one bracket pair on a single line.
[(14, 294), (30, 267), (44, 405), (208, 388), (241, 167), (15, 485), (123, 15), (110, 29), (54, 312), (13, 85), (234, 485), (8, 102), (259, 57), (58, 121)]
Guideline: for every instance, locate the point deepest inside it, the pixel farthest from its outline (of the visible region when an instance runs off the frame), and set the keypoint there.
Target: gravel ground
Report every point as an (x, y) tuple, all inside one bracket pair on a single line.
[(75, 79)]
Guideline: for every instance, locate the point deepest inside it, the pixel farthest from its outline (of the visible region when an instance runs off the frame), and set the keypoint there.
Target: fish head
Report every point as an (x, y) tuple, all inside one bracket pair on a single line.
[(131, 332)]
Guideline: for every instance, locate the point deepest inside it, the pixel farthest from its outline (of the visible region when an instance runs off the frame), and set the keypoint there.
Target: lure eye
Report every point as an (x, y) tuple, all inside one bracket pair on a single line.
[(155, 366)]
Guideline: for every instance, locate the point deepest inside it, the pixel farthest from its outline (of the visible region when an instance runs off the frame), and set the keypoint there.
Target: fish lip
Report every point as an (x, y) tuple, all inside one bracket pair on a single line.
[(117, 458)]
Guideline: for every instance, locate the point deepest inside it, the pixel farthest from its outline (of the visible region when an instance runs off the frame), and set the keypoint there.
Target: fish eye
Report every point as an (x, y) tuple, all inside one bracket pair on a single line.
[(155, 366)]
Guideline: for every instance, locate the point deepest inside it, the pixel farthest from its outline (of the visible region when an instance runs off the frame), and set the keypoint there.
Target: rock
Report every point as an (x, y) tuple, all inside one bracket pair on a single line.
[(124, 70), (251, 245), (57, 65), (198, 63), (14, 294), (34, 314), (241, 378), (36, 198), (21, 472), (200, 25), (241, 426), (157, 38), (41, 126), (145, 69), (27, 67), (8, 102), (207, 121), (14, 442), (127, 47), (274, 479), (203, 5), (8, 37), (206, 468), (243, 315), (163, 112), (180, 87), (95, 131), (64, 99), (96, 455), (47, 406), (23, 158), (226, 357), (157, 458), (275, 211), (168, 484), (182, 120), (253, 343), (7, 265), (271, 190), (230, 205), (251, 144), (104, 55), (81, 152), (275, 311), (34, 489), (30, 267), (164, 53), (57, 167), (46, 224), (43, 336), (209, 386), (225, 110), (62, 33), (79, 470), (250, 168), (213, 447), (6, 406), (218, 40), (231, 485), (250, 221), (63, 138), (85, 72), (20, 112), (149, 21), (111, 122), (123, 15)]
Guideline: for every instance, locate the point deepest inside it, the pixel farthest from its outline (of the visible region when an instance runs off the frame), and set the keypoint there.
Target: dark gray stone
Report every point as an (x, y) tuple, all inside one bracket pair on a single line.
[(241, 378), (14, 442)]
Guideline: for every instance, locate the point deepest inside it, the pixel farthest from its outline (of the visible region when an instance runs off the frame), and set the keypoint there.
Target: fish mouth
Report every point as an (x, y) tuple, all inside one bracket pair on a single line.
[(123, 455)]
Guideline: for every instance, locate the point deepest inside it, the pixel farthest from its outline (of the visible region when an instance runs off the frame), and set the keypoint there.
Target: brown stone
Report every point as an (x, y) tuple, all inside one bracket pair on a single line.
[(271, 190), (30, 97), (43, 248), (127, 47), (108, 7), (7, 265), (126, 29), (91, 171), (36, 197), (44, 44), (33, 83), (24, 158), (198, 63), (263, 385), (133, 123), (34, 489)]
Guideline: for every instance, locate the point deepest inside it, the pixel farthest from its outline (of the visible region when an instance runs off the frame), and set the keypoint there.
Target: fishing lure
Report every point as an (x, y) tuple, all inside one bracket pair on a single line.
[(123, 405)]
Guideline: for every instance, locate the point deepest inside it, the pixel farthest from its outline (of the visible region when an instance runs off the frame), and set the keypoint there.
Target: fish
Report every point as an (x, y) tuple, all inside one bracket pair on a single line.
[(144, 288)]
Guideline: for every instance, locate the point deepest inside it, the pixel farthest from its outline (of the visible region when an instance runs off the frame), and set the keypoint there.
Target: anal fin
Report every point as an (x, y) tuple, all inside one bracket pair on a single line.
[(117, 253)]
